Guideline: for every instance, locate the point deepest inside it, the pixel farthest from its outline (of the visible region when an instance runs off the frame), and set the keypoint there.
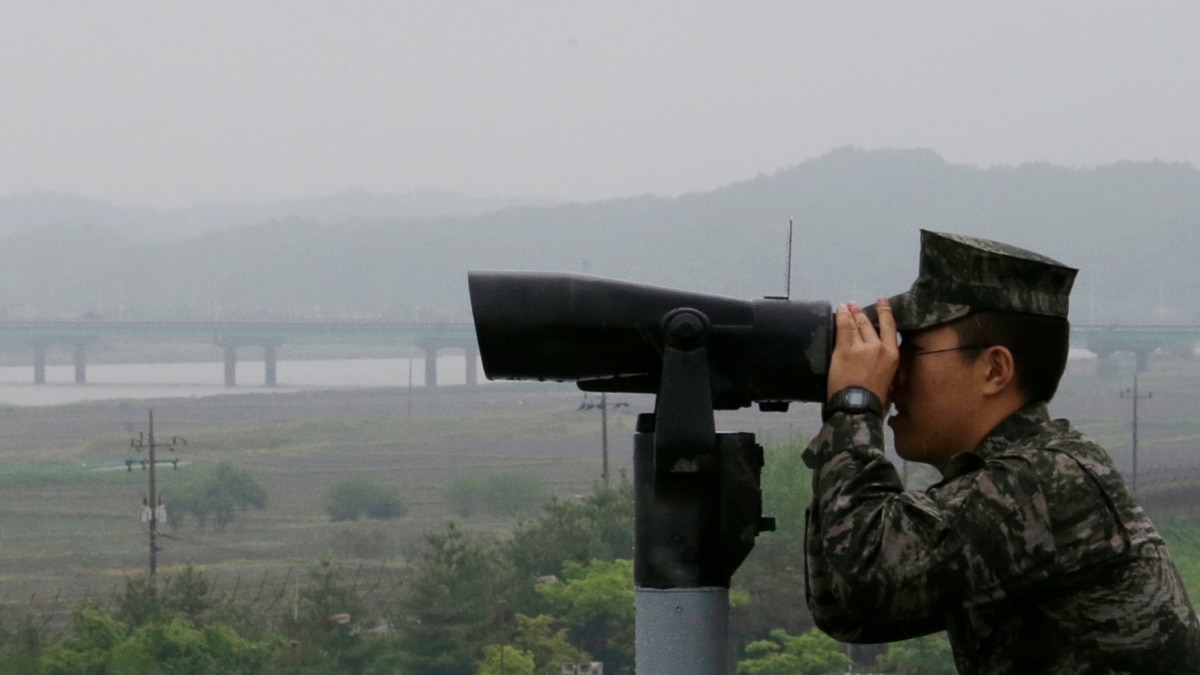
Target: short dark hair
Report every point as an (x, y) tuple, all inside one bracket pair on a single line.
[(1039, 345)]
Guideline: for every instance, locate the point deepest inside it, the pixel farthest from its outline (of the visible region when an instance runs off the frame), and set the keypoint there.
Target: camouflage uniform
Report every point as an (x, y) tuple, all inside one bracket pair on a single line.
[(1031, 552)]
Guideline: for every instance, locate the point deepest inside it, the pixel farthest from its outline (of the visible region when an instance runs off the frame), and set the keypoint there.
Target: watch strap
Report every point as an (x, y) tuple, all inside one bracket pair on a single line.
[(852, 400)]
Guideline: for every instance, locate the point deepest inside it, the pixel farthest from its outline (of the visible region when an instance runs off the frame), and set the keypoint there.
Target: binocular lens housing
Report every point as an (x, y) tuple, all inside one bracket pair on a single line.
[(610, 335)]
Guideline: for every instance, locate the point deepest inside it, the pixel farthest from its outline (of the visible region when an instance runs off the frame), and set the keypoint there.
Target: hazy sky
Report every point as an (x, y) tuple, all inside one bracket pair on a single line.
[(168, 103)]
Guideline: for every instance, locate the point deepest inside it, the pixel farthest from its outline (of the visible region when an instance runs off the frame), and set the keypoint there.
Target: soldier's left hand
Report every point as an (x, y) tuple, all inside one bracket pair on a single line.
[(862, 356)]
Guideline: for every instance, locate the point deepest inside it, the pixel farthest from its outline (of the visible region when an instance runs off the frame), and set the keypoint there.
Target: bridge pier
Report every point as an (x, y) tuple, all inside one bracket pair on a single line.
[(1143, 361), (269, 364), (230, 365), (39, 364), (80, 365), (472, 356), (431, 353)]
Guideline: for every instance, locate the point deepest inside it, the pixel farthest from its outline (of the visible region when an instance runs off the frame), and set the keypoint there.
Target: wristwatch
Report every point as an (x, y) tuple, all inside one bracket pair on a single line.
[(852, 401)]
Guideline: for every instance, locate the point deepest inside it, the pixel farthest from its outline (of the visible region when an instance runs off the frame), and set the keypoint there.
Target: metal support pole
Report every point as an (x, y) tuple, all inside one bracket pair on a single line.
[(681, 611), (604, 435), (682, 631)]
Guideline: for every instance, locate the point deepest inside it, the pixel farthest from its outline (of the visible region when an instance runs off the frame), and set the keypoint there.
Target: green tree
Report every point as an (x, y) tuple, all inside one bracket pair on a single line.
[(328, 624), (813, 653), (926, 655), (178, 646), (141, 603), (598, 527), (352, 499), (215, 494), (94, 635), (100, 643), (452, 607), (505, 660), (501, 494), (595, 603), (549, 646), (187, 593)]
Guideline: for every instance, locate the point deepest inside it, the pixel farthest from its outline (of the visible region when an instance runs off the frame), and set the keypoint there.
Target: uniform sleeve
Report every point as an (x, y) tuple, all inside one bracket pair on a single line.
[(883, 564)]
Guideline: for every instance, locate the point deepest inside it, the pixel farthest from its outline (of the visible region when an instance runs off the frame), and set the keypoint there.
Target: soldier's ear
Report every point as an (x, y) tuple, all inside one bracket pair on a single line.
[(998, 369)]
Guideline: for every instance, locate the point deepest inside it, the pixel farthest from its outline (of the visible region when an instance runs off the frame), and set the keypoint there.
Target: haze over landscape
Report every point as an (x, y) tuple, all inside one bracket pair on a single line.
[(197, 162), (301, 160), (167, 105)]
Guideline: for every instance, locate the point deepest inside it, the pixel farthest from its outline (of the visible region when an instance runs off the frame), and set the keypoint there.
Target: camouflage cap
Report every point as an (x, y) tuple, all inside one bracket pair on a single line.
[(960, 275)]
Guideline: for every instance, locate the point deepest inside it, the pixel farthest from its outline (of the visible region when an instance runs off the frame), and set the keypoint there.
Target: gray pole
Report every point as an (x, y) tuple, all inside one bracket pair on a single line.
[(153, 508), (150, 445), (1135, 434), (1133, 394), (682, 631), (604, 434)]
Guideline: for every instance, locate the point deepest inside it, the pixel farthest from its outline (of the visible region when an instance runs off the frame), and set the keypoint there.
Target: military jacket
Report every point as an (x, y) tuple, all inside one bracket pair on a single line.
[(1031, 553)]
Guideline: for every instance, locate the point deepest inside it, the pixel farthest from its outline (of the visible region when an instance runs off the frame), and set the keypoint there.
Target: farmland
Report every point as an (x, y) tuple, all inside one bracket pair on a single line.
[(69, 507)]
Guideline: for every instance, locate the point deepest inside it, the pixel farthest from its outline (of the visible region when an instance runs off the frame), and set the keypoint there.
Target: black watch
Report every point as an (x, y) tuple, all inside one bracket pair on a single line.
[(852, 401)]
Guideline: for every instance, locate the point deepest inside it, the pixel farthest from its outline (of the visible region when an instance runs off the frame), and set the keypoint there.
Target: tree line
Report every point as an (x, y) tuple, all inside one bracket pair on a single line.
[(557, 588)]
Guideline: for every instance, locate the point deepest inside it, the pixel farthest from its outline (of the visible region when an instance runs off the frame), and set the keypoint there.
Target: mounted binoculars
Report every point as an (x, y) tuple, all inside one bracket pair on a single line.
[(697, 492), (612, 336)]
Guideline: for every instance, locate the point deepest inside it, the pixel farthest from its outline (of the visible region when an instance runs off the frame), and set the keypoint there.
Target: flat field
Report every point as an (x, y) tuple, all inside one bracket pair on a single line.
[(69, 509)]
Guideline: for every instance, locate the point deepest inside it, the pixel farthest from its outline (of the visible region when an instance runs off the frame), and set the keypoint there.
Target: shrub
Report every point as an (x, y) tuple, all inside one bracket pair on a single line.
[(813, 653), (501, 494), (352, 499), (216, 493)]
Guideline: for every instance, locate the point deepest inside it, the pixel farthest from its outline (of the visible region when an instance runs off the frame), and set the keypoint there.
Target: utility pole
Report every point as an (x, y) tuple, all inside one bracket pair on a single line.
[(603, 405), (153, 503), (1133, 394), (604, 436)]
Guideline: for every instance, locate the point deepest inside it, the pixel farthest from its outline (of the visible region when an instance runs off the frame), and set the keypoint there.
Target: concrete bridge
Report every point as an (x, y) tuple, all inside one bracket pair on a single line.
[(1140, 340), (37, 336)]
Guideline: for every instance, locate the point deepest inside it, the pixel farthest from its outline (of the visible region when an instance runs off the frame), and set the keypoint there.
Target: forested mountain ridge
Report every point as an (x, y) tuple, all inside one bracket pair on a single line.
[(1133, 229)]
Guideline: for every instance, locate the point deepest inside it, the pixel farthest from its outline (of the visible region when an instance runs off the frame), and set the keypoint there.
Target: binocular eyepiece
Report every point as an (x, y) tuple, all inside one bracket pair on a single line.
[(611, 336)]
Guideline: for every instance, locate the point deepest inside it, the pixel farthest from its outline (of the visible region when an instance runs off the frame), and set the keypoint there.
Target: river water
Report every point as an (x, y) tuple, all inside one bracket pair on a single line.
[(194, 380)]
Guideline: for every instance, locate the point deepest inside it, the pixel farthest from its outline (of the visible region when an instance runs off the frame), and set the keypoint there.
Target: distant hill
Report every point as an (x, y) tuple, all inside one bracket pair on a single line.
[(1132, 228), (25, 211)]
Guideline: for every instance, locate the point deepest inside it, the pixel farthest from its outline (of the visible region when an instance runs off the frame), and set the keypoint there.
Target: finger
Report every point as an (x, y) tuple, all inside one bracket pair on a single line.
[(863, 323), (887, 322), (847, 332)]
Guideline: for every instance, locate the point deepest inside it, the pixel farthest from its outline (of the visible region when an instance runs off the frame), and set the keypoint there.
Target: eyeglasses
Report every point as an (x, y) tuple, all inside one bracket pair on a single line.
[(913, 351), (910, 352)]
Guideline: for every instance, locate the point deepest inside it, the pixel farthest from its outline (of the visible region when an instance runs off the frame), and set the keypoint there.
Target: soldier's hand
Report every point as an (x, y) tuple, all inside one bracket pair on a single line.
[(862, 356)]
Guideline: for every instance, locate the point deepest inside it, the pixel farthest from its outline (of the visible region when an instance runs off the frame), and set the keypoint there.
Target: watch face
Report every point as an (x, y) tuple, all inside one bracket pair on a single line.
[(856, 398)]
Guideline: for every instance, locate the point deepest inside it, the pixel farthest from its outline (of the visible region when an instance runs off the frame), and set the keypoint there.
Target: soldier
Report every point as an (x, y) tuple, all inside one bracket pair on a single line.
[(1031, 552)]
